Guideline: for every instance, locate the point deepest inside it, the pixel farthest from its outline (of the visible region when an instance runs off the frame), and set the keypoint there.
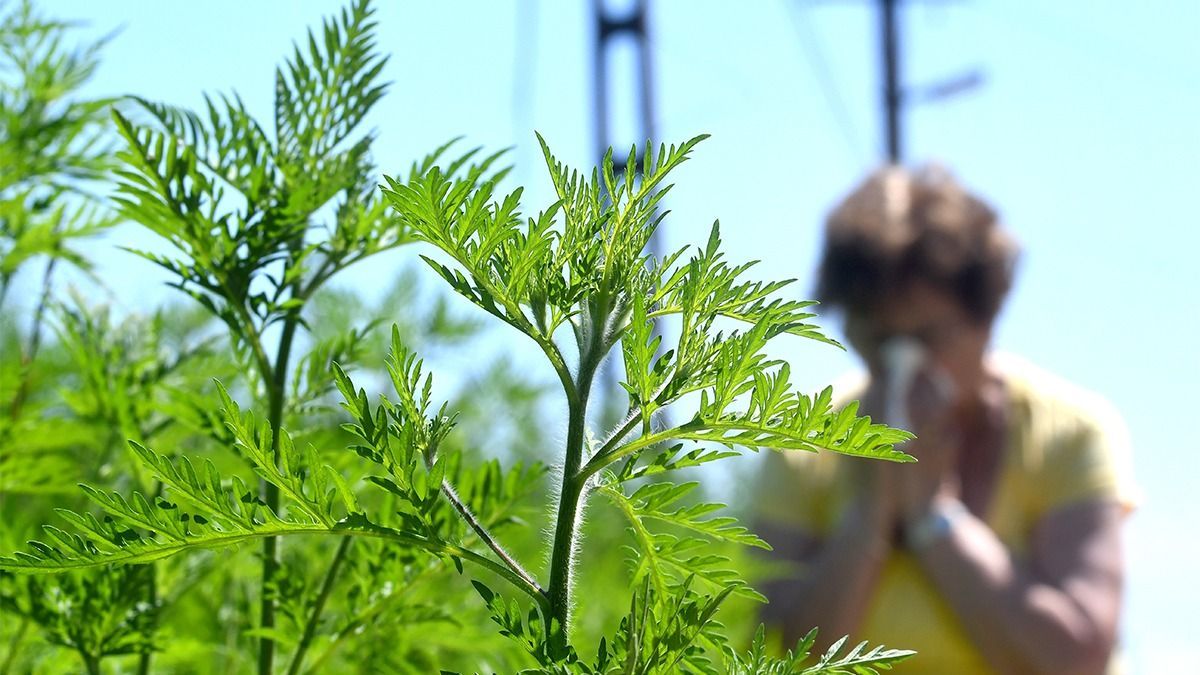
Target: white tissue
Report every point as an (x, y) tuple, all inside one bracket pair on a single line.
[(903, 358)]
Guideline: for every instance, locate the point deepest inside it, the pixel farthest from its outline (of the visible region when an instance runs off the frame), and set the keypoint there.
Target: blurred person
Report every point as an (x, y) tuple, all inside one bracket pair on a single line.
[(999, 550)]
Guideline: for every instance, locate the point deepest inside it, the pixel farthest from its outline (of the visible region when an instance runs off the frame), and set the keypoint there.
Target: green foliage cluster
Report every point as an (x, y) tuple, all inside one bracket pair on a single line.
[(577, 280), (51, 145), (384, 503)]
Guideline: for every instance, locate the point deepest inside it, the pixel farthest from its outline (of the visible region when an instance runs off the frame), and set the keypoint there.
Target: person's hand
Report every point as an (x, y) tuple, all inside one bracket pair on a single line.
[(904, 492), (936, 446), (931, 477)]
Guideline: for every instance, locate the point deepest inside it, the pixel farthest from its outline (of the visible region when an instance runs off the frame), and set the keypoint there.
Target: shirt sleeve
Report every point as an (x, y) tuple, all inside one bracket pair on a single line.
[(1090, 459)]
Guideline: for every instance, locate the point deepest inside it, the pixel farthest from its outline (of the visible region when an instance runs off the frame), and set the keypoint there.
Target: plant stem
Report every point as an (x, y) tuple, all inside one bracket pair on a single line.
[(485, 536), (600, 458), (568, 512), (5, 279), (91, 662), (35, 343), (152, 598), (310, 628), (276, 391)]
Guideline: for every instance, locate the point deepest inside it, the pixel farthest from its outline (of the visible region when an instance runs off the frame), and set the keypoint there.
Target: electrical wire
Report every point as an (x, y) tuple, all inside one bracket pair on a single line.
[(814, 55)]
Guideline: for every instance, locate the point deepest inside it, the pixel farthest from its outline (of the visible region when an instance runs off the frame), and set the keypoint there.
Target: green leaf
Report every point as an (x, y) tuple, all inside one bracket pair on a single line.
[(668, 559), (857, 661)]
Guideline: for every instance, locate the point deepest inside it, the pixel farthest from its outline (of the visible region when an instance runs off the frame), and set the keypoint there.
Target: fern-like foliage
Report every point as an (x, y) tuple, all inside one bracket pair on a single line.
[(200, 508), (746, 398), (210, 512), (582, 262), (673, 539), (96, 615), (859, 660), (581, 268), (53, 143), (130, 375), (244, 206), (242, 202), (405, 440), (262, 214), (666, 633)]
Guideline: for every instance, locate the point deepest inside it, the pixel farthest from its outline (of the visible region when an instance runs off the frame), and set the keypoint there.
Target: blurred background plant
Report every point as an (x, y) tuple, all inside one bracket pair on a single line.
[(79, 378), (53, 149)]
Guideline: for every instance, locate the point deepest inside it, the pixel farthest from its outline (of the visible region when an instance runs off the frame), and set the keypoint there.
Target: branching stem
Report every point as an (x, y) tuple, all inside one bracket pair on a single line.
[(91, 662), (606, 454), (568, 511), (486, 537), (601, 459)]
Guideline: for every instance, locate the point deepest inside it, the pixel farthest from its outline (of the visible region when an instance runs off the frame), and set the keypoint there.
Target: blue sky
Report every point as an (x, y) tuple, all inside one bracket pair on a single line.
[(1085, 134)]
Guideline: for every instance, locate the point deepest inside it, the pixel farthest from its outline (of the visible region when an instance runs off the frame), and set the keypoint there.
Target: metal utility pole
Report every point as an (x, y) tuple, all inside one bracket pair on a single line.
[(889, 42), (895, 95), (611, 26)]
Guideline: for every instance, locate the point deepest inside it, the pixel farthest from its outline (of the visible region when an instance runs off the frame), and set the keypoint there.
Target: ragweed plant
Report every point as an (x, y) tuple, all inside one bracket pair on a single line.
[(244, 207), (124, 383), (577, 280), (54, 145)]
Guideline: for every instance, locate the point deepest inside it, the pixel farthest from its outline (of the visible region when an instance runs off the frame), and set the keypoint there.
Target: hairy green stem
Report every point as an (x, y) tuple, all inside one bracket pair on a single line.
[(630, 423), (310, 627), (486, 537), (565, 528)]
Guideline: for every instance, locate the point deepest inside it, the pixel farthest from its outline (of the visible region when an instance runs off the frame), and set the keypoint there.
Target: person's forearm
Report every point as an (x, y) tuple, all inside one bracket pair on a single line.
[(1019, 624), (835, 587)]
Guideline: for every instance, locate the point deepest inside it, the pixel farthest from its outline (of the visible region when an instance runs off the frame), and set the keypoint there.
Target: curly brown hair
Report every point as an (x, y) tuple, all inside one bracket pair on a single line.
[(900, 226)]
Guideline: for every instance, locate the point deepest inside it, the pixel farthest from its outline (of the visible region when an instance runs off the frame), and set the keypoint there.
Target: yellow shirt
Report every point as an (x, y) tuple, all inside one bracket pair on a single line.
[(1064, 445)]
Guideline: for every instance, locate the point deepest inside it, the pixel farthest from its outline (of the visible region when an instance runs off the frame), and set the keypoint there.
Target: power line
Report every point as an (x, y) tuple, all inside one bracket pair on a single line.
[(814, 53), (894, 94), (1096, 45)]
